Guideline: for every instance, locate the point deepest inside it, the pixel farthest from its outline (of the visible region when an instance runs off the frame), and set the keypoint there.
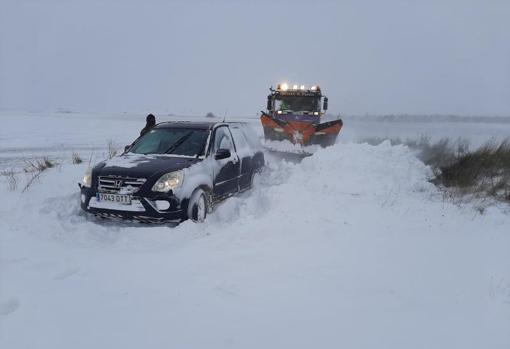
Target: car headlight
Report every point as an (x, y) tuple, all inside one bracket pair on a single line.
[(87, 178), (169, 181)]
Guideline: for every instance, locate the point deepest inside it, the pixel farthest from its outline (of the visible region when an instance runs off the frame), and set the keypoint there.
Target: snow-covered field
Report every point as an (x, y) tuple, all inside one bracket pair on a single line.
[(352, 247), (475, 133), (28, 136)]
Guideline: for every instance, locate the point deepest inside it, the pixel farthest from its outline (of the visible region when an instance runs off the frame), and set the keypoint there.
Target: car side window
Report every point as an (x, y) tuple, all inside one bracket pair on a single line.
[(222, 139), (239, 138)]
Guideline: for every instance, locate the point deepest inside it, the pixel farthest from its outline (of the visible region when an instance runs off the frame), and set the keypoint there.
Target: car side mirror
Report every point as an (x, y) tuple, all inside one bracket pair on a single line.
[(325, 103), (126, 148), (222, 154), (269, 103)]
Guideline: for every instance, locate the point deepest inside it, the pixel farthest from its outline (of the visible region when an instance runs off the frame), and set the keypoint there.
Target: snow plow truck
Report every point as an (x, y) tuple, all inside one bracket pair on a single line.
[(294, 113)]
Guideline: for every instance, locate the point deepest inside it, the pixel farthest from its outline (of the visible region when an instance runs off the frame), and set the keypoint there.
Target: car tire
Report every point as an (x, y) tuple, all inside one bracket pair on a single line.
[(254, 175), (198, 206)]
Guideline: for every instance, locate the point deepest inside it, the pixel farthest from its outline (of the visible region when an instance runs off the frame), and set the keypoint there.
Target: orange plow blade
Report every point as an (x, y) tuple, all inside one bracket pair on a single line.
[(298, 132)]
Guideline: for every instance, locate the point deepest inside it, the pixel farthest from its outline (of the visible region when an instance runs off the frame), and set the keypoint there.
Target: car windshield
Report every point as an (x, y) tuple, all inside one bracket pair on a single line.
[(178, 141), (297, 103)]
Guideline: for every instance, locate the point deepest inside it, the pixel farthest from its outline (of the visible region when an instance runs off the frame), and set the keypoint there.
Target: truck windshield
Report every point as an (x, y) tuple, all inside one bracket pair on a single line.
[(178, 141), (297, 103)]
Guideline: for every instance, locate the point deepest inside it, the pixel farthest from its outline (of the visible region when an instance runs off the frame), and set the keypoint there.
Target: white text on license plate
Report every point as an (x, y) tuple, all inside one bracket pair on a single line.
[(120, 199)]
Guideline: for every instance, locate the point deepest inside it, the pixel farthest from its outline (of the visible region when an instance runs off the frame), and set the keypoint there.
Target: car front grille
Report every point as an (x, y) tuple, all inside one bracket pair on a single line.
[(120, 185)]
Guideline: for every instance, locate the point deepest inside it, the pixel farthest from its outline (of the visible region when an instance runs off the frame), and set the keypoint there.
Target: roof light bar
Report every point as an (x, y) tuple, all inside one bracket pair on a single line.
[(284, 86)]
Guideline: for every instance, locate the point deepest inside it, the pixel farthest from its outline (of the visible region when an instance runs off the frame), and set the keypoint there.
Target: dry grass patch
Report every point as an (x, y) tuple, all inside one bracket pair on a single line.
[(484, 172), (39, 165), (34, 168), (76, 158), (12, 179), (112, 149)]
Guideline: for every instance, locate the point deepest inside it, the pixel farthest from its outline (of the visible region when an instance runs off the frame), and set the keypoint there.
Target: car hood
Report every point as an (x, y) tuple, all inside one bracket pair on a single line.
[(143, 166)]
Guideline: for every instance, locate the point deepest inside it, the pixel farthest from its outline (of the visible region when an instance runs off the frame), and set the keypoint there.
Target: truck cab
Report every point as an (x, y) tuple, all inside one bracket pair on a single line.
[(294, 114)]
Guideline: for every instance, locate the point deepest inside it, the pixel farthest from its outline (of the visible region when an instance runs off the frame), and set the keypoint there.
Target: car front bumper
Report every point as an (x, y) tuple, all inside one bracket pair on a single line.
[(142, 209)]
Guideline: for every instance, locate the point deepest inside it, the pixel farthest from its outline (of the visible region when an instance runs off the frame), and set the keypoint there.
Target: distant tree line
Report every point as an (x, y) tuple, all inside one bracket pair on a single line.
[(428, 118)]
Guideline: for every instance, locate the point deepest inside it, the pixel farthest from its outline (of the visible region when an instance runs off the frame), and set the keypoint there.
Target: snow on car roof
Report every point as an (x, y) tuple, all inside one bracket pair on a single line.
[(186, 124), (194, 124)]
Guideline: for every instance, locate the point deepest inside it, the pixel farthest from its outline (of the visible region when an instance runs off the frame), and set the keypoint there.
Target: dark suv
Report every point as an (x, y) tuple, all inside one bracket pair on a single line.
[(176, 171)]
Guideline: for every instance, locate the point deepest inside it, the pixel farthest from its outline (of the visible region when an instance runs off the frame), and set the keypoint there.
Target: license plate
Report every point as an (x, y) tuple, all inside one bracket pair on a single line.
[(117, 198)]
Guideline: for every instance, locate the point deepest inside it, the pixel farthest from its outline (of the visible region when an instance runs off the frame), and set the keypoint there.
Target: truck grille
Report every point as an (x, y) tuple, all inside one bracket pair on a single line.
[(120, 185)]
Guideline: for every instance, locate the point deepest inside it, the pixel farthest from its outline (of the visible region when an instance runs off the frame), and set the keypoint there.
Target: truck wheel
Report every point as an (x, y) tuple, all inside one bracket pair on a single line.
[(197, 207)]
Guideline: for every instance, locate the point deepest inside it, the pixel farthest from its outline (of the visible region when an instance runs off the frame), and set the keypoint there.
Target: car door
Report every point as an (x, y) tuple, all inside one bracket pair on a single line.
[(226, 171), (245, 155)]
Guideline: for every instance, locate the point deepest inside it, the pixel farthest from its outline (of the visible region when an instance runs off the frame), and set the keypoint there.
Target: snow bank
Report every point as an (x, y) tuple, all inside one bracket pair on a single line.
[(352, 247)]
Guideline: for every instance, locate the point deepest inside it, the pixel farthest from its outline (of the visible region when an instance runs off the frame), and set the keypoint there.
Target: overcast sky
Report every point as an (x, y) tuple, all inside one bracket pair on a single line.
[(191, 57)]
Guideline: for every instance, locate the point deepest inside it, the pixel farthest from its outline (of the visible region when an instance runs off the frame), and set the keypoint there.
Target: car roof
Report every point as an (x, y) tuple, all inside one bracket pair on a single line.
[(199, 125)]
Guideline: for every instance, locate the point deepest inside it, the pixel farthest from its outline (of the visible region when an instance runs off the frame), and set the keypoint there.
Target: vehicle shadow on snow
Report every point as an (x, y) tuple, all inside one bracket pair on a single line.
[(123, 223), (69, 221)]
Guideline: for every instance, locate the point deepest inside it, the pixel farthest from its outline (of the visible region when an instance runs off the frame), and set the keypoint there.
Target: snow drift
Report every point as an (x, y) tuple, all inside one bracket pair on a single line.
[(351, 247)]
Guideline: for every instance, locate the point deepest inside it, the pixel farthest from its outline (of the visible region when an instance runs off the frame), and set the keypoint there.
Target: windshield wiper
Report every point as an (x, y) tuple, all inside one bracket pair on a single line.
[(178, 143)]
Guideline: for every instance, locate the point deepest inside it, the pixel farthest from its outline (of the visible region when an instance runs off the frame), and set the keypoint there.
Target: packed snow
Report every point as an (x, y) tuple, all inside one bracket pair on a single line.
[(351, 247)]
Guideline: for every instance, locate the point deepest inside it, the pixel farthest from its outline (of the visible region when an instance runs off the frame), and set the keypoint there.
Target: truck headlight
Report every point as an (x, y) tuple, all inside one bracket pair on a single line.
[(169, 181), (87, 178)]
